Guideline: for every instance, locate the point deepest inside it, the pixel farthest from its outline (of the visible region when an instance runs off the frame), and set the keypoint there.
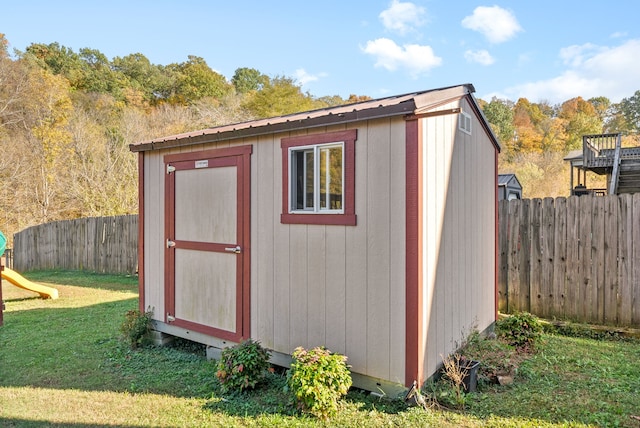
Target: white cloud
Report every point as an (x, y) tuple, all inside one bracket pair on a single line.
[(495, 23), (402, 17), (417, 59), (303, 77), (593, 71), (575, 55), (481, 57)]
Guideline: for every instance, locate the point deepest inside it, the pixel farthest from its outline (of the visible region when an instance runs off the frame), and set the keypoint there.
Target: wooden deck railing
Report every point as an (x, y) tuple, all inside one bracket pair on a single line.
[(598, 150)]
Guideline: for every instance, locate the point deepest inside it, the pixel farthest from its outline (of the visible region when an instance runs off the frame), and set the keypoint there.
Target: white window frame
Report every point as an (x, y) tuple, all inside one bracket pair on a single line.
[(316, 150)]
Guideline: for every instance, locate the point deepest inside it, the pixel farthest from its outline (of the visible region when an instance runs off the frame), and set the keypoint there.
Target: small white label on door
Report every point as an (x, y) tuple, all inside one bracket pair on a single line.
[(202, 163)]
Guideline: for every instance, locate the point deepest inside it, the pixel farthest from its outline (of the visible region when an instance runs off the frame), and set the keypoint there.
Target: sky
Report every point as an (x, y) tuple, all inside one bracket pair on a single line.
[(545, 51)]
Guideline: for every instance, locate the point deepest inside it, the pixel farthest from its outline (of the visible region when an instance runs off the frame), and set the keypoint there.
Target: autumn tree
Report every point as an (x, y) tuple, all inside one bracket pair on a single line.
[(353, 98), (103, 180), (209, 112), (525, 117), (499, 113), (248, 79), (537, 128), (579, 117), (14, 84), (99, 76), (37, 142), (50, 140), (628, 114), (142, 76), (330, 101), (195, 80), (58, 60), (14, 87), (279, 96), (4, 46), (603, 109)]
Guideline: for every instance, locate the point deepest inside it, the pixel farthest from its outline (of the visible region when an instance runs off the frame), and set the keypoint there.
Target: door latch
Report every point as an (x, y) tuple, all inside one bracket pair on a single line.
[(170, 243), (235, 249), (170, 318)]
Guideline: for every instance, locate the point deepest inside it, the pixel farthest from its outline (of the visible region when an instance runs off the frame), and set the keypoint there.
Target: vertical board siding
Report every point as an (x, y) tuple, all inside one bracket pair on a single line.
[(336, 311), (280, 248), (338, 286), (357, 258), (582, 259), (97, 244), (263, 305), (378, 239), (397, 253), (345, 284), (459, 240), (432, 218), (316, 253), (154, 245)]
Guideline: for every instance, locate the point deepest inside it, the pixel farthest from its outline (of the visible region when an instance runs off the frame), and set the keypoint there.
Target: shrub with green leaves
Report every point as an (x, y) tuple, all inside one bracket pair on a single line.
[(242, 366), (136, 326), (520, 329), (318, 379)]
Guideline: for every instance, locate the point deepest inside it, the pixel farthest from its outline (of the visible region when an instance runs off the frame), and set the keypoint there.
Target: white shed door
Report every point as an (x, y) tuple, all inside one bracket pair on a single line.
[(207, 251)]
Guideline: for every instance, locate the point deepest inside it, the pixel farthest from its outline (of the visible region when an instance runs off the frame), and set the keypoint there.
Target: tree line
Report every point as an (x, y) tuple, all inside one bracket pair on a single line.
[(67, 118), (535, 137)]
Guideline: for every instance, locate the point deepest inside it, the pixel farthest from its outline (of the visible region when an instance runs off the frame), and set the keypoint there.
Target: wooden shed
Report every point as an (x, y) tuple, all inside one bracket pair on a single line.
[(368, 228)]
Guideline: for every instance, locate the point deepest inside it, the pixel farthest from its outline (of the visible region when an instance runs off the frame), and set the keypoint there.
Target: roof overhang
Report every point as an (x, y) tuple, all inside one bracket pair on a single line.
[(400, 105)]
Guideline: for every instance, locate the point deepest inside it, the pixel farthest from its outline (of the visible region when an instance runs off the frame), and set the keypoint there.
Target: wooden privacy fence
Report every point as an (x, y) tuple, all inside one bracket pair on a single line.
[(97, 244), (575, 258)]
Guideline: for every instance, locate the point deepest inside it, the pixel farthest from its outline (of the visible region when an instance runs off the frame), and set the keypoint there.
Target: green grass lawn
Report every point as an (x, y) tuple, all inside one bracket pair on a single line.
[(62, 364)]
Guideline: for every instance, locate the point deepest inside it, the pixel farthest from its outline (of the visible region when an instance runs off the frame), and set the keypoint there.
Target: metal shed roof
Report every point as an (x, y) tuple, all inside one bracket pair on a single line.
[(406, 104), (504, 179)]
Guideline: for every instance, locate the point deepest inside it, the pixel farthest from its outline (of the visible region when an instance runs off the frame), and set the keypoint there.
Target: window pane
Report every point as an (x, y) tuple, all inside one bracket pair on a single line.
[(297, 184), (331, 178), (309, 200)]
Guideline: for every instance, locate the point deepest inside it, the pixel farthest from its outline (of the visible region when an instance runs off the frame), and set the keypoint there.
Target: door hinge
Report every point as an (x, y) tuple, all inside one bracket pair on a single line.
[(170, 318), (170, 243), (170, 169)]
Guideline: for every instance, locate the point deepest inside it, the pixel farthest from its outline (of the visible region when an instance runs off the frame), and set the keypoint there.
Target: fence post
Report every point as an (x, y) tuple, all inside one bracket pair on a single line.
[(536, 300), (610, 246), (503, 271), (513, 259), (558, 288), (635, 256)]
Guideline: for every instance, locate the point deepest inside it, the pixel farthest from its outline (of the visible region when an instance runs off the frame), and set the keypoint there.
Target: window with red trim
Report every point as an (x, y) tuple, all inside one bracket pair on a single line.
[(318, 179)]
